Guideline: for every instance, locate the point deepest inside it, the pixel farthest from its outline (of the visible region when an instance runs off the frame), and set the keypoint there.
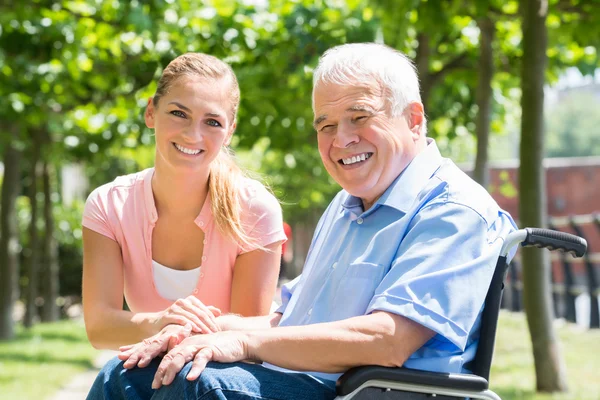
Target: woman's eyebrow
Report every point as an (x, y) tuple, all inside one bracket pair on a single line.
[(181, 106)]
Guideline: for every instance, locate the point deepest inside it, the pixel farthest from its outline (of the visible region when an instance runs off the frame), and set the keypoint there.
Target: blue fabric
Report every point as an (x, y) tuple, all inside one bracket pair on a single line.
[(236, 381), (426, 250)]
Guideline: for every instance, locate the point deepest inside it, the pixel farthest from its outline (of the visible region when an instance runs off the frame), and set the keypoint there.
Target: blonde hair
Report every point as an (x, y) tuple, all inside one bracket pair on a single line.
[(225, 174)]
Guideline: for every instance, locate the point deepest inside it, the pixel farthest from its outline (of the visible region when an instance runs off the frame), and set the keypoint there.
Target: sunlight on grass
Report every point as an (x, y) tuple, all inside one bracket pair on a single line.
[(513, 375), (41, 360)]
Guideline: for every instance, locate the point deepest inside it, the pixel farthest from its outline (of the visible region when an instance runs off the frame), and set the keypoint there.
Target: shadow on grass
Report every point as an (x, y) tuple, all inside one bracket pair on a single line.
[(44, 358), (514, 394)]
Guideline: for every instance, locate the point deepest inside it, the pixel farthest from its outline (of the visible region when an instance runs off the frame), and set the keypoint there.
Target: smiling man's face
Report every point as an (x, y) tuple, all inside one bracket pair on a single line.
[(362, 146)]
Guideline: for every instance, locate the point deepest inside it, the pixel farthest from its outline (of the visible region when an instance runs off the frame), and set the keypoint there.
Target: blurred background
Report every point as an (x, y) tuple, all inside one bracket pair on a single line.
[(512, 94)]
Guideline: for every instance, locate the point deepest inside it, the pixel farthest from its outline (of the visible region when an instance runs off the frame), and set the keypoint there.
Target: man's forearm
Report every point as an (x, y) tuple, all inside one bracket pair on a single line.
[(232, 322), (378, 339)]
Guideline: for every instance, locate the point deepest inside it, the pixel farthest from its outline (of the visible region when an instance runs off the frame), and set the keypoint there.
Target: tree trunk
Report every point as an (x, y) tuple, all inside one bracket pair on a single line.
[(50, 285), (9, 241), (422, 63), (33, 256), (484, 100), (549, 366)]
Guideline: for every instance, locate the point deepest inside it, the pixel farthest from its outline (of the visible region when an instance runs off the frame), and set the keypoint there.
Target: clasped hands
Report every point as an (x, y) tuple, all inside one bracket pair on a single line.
[(181, 344)]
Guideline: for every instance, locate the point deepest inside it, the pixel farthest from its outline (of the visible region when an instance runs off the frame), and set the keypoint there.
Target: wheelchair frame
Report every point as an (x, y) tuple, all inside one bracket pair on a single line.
[(384, 383)]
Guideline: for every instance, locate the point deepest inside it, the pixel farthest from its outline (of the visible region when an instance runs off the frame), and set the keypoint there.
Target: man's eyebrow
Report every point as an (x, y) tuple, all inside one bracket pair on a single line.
[(361, 108), (319, 120), (181, 106)]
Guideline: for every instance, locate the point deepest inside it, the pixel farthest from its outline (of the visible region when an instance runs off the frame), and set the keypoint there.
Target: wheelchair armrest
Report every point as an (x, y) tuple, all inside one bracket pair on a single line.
[(355, 377)]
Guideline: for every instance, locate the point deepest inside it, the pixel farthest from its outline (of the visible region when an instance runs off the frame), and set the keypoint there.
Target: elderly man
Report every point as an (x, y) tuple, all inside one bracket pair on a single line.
[(397, 271)]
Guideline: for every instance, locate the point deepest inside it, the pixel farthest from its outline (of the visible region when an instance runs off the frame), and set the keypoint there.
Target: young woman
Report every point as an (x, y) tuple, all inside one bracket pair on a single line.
[(190, 238)]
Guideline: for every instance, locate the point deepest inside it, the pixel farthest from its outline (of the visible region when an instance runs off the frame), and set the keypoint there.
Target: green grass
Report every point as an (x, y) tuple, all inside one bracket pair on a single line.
[(41, 360), (513, 375)]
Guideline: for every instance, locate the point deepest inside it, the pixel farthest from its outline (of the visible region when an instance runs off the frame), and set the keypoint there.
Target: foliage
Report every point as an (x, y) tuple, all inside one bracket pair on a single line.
[(571, 124)]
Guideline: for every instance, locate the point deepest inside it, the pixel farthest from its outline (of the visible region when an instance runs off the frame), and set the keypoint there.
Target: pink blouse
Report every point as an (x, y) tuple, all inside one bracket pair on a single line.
[(124, 211)]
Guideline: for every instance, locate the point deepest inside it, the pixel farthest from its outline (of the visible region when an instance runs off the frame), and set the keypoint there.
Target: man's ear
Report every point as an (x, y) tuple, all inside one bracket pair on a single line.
[(149, 114), (415, 118)]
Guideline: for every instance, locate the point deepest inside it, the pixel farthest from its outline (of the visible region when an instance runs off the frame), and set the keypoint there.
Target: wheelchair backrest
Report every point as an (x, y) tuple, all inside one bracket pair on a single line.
[(482, 362)]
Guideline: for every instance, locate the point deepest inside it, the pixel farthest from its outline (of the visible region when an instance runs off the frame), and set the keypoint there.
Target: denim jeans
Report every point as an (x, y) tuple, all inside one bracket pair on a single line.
[(234, 381)]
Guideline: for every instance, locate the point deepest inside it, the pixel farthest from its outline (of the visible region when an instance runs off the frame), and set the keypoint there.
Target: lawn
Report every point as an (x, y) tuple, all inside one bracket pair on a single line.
[(41, 360), (513, 376)]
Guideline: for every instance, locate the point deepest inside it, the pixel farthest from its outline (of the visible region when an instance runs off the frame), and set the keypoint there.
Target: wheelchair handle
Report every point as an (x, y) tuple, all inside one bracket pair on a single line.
[(553, 240), (546, 238)]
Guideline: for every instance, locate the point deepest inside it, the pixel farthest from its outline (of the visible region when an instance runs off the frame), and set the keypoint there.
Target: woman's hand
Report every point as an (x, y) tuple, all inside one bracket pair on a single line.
[(142, 353), (189, 310)]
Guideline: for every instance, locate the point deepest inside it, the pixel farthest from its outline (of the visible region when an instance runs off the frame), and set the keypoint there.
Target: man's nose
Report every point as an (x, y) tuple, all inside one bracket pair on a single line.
[(345, 136)]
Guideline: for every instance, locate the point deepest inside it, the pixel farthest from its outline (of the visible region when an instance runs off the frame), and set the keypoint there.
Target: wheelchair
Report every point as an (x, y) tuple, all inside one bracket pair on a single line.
[(384, 383)]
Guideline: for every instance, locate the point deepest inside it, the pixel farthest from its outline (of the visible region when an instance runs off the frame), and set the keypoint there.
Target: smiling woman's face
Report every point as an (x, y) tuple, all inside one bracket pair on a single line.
[(191, 121)]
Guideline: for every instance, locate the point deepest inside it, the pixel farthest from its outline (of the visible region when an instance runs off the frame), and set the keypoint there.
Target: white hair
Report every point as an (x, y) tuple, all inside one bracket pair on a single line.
[(351, 63)]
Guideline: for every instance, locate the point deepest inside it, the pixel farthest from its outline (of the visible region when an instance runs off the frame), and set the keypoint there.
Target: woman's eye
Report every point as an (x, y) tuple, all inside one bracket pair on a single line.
[(213, 122), (178, 113)]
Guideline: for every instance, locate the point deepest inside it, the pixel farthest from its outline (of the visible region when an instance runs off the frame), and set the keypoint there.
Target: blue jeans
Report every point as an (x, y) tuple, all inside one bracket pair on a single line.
[(234, 381)]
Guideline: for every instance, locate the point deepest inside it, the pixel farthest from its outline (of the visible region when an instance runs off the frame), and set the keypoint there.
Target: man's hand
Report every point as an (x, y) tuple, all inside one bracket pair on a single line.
[(224, 347), (142, 353)]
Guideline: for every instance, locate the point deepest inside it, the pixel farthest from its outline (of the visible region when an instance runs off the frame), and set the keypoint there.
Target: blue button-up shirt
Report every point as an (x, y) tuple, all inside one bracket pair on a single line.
[(425, 250)]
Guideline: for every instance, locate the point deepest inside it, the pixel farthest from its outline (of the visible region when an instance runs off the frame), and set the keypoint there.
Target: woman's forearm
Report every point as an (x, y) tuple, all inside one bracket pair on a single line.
[(110, 329)]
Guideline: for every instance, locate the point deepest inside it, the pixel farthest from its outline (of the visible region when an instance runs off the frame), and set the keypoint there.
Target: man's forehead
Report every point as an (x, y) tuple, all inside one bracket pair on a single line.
[(332, 99)]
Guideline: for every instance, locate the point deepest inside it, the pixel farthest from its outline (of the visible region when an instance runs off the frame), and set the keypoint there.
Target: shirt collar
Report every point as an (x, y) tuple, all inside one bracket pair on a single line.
[(406, 187)]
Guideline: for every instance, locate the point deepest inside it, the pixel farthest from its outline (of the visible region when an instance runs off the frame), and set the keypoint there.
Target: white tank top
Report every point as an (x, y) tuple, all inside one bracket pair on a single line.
[(173, 284)]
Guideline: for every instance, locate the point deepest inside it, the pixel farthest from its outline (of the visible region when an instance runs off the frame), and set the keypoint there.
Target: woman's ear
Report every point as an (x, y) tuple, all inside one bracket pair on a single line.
[(230, 134), (149, 113)]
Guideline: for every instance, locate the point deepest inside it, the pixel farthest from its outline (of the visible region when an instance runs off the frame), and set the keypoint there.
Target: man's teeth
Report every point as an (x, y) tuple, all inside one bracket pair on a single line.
[(187, 151), (355, 159)]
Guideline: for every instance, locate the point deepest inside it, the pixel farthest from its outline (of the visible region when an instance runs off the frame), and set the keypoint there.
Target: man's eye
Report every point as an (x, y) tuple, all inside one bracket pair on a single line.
[(327, 129), (178, 113), (213, 122), (362, 118)]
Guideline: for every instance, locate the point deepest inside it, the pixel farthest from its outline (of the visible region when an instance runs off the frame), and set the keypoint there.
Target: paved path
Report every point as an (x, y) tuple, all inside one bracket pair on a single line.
[(80, 385)]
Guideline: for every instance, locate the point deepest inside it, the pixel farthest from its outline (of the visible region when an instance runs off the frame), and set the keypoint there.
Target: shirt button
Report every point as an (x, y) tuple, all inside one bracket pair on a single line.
[(334, 265), (201, 223), (204, 241), (195, 291), (359, 221), (203, 258), (309, 312), (201, 274)]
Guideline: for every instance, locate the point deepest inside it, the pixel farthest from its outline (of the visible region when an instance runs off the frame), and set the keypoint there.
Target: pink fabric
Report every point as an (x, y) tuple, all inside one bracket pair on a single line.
[(124, 211)]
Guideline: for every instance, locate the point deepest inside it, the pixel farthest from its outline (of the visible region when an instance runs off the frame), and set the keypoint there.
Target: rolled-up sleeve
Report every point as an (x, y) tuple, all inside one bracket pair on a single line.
[(442, 271)]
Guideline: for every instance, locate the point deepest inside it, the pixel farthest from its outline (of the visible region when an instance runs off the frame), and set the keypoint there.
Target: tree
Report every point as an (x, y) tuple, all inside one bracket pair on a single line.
[(9, 248), (549, 366)]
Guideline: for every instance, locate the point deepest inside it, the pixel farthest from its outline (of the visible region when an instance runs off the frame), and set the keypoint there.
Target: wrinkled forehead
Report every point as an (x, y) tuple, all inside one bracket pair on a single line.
[(334, 97)]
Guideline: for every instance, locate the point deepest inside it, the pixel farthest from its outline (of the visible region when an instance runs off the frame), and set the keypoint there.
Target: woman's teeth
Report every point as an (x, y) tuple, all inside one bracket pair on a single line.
[(186, 150)]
